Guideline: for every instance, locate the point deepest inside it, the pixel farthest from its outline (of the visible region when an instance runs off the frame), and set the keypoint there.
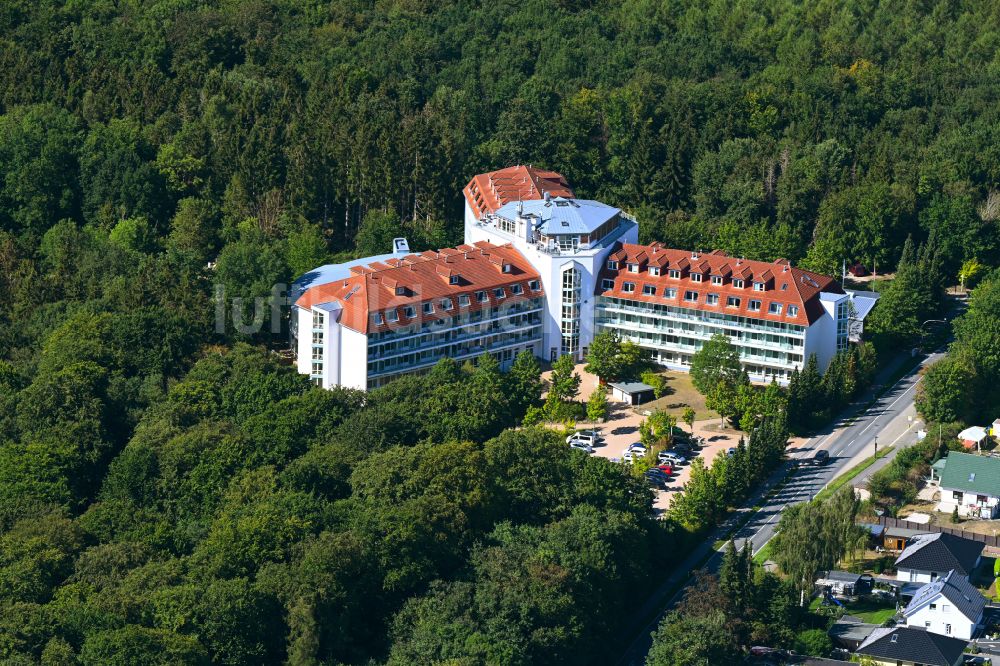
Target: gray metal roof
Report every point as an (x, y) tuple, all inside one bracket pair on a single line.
[(560, 215), (333, 272), (630, 387), (842, 576), (954, 587)]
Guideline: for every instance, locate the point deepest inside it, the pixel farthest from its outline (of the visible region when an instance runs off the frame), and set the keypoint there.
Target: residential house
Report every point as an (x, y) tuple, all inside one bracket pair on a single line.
[(950, 606), (929, 556), (970, 482), (905, 646), (896, 538), (973, 438)]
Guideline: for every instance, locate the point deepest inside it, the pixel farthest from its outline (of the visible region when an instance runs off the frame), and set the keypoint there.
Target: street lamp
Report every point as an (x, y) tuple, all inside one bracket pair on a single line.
[(875, 457)]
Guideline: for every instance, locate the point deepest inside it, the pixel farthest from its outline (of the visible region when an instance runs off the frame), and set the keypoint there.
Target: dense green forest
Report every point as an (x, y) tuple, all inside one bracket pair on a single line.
[(173, 494)]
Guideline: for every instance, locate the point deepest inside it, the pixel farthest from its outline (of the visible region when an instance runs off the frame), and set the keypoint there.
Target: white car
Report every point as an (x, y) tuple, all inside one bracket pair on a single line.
[(581, 446), (630, 456), (589, 437), (671, 457), (638, 448)]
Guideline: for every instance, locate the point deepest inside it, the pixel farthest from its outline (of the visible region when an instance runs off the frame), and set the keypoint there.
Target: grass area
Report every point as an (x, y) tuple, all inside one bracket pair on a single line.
[(680, 394), (847, 476), (872, 612), (764, 554)]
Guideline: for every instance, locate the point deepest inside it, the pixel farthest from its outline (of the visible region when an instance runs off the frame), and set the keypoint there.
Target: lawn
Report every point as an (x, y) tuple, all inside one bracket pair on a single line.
[(680, 394), (870, 611)]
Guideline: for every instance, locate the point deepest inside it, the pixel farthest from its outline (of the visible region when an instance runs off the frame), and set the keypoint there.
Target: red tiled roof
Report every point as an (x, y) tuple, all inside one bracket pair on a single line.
[(487, 192), (785, 284), (425, 277)]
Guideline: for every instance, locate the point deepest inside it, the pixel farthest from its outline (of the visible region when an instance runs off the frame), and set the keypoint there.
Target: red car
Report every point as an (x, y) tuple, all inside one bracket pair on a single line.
[(666, 469)]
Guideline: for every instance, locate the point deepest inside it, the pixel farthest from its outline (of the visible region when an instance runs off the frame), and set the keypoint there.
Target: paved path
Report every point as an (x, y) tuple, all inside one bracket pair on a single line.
[(848, 439)]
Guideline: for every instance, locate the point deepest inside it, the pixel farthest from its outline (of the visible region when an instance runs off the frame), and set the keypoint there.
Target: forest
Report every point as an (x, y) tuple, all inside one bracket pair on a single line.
[(172, 493)]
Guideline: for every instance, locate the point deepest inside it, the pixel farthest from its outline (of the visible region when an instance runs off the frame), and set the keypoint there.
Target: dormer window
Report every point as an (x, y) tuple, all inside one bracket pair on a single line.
[(695, 277), (754, 306), (737, 283), (453, 279), (674, 273), (654, 270), (670, 293), (648, 290), (507, 268), (607, 284), (628, 287), (428, 308), (712, 299), (633, 268), (612, 265), (774, 308), (758, 286), (691, 296), (716, 280), (793, 311), (534, 286)]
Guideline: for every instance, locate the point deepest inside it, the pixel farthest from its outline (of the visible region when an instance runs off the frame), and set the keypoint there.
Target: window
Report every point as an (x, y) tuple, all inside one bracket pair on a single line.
[(409, 312), (695, 277), (674, 273), (927, 625), (628, 287), (507, 268), (499, 293), (738, 283), (516, 289), (732, 301), (534, 286), (947, 629), (670, 293), (612, 265), (712, 299), (401, 291), (607, 284), (758, 286), (956, 495), (317, 353), (774, 308), (317, 337), (753, 305), (391, 315), (793, 311), (446, 304), (945, 608), (317, 319), (933, 606), (463, 300), (691, 296), (428, 308), (654, 270), (378, 318), (317, 369), (482, 297), (453, 279), (716, 280), (648, 290), (633, 268)]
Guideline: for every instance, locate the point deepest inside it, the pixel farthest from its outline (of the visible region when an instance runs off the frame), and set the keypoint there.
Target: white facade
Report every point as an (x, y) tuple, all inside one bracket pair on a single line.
[(970, 505), (916, 576), (940, 616), (568, 272)]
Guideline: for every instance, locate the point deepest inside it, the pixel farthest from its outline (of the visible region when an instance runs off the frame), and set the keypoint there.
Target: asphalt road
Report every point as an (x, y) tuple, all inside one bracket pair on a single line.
[(889, 420)]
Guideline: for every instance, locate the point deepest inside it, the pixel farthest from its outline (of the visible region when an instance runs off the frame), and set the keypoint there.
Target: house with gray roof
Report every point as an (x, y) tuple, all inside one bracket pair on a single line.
[(970, 482), (949, 606), (928, 556), (905, 646)]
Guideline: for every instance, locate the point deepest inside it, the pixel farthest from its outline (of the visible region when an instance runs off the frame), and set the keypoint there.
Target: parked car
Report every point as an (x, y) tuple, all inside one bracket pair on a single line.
[(822, 457), (731, 451), (666, 469), (630, 456), (580, 445), (589, 437), (672, 458), (638, 448), (655, 479)]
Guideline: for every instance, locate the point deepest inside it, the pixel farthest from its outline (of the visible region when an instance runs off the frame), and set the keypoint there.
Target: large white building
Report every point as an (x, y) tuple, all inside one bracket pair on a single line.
[(544, 271)]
